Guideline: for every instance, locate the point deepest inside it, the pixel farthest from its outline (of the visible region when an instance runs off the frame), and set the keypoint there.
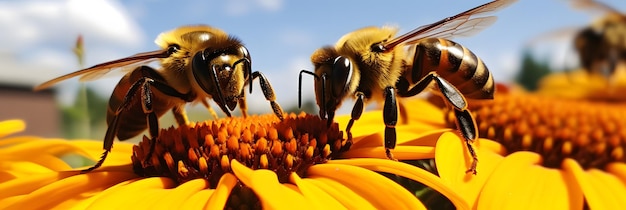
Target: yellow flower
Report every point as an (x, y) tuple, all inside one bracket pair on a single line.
[(298, 163), (546, 153), (583, 85)]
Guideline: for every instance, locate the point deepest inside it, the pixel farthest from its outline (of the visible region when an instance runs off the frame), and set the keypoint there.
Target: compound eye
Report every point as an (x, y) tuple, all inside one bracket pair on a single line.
[(245, 52), (342, 75), (171, 49), (201, 71), (378, 47)]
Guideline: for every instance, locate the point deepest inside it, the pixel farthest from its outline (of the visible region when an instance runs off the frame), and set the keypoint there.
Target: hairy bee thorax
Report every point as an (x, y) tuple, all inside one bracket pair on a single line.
[(378, 69), (357, 45)]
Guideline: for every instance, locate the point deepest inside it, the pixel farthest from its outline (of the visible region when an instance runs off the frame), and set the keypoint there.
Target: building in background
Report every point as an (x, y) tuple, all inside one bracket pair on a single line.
[(18, 101)]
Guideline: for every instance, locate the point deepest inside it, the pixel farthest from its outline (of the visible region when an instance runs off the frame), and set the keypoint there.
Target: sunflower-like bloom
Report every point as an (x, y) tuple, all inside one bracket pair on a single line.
[(256, 162), (546, 152)]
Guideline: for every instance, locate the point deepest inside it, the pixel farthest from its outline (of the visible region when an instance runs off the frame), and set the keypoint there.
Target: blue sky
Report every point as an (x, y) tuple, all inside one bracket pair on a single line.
[(280, 35)]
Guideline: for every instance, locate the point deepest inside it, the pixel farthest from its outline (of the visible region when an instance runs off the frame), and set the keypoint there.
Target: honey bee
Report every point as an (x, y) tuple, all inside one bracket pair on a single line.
[(601, 46), (198, 63), (373, 64)]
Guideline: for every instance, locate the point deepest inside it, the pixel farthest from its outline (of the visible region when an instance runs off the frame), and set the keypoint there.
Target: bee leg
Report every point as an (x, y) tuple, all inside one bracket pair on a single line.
[(464, 120), (357, 110), (268, 92), (450, 93), (146, 104), (180, 115), (108, 142), (242, 104), (390, 117), (114, 125), (402, 86), (211, 111)]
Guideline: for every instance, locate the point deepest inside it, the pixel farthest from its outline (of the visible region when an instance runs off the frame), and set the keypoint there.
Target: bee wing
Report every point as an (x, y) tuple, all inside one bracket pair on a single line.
[(463, 24), (102, 69), (594, 5)]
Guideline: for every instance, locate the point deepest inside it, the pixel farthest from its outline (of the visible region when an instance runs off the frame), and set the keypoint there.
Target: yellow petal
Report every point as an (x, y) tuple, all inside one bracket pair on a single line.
[(49, 161), (410, 145), (68, 191), (453, 160), (199, 200), (596, 186), (175, 197), (379, 190), (126, 193), (422, 117), (51, 147), (222, 191), (27, 184), (612, 187), (14, 169), (369, 123), (8, 127), (90, 203), (423, 138), (519, 182), (318, 198), (264, 183), (579, 85), (408, 171), (96, 146), (365, 141), (6, 202), (17, 140), (494, 147), (422, 111), (146, 200), (118, 155), (617, 169), (400, 152), (343, 194)]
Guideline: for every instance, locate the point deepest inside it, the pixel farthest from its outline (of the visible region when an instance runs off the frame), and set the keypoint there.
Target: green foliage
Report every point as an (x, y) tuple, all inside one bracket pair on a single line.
[(307, 107), (88, 112), (531, 71)]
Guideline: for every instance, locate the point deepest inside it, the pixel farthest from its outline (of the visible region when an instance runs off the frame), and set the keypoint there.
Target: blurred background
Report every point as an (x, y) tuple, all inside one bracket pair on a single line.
[(38, 37)]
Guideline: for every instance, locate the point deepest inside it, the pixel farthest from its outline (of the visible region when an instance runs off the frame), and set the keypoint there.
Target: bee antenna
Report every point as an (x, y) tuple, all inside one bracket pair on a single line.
[(300, 85)]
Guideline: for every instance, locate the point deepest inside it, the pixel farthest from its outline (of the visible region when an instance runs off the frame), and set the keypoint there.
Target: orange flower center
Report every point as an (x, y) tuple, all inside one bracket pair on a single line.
[(204, 150), (589, 132)]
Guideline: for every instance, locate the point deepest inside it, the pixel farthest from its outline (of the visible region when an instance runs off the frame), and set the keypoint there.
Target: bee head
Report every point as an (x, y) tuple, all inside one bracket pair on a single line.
[(222, 70), (334, 76)]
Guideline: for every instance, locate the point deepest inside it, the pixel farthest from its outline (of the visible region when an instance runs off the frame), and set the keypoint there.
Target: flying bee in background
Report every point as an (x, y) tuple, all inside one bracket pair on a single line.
[(198, 63), (373, 64), (601, 46)]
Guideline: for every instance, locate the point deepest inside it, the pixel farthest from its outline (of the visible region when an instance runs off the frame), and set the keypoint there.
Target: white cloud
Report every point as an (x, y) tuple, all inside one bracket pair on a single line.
[(243, 7), (106, 18), (30, 23), (38, 37)]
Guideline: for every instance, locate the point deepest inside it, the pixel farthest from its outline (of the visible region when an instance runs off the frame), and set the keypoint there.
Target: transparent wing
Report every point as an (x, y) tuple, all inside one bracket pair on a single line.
[(591, 5), (102, 69), (463, 24)]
